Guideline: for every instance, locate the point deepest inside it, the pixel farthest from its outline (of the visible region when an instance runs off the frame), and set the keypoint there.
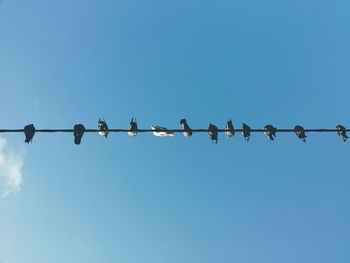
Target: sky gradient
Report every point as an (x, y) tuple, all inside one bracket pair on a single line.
[(150, 199)]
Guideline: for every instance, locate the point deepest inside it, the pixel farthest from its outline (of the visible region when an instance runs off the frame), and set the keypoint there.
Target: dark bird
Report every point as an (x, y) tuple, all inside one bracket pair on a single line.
[(29, 132), (270, 132), (300, 132), (230, 130), (341, 131), (103, 128), (132, 127), (213, 133), (187, 130), (246, 131), (79, 130)]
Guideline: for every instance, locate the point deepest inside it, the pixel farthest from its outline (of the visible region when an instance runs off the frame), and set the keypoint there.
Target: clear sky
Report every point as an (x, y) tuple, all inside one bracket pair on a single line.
[(174, 200)]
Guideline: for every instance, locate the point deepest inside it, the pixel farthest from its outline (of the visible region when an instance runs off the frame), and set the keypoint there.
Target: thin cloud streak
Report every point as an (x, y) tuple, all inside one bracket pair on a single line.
[(10, 170)]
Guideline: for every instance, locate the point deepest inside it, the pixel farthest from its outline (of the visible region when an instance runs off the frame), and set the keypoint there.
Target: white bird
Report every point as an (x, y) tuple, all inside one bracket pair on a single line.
[(230, 130), (133, 127), (161, 131), (187, 130), (103, 128)]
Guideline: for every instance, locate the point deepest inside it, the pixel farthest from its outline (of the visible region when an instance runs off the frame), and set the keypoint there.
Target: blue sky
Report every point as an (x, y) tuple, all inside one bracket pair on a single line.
[(149, 199)]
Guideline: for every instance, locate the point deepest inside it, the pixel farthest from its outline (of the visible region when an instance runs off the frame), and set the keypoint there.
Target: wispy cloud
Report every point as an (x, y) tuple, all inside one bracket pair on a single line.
[(10, 170)]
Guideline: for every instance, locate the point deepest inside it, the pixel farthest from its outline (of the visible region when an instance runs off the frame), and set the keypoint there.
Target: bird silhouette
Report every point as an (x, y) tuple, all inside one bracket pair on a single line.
[(341, 131), (103, 128), (270, 132), (79, 130), (300, 132), (161, 131), (29, 132), (132, 127), (187, 130), (213, 133), (230, 130), (246, 131)]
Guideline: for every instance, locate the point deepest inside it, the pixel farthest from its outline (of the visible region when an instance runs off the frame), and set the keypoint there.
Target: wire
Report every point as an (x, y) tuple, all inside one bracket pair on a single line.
[(213, 131), (168, 130)]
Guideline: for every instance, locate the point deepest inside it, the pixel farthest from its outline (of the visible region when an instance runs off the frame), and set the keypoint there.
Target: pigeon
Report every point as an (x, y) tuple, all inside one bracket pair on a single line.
[(213, 133), (29, 132), (270, 132), (103, 128), (187, 130), (132, 127), (246, 131), (230, 130), (79, 130), (341, 131), (300, 132), (161, 131)]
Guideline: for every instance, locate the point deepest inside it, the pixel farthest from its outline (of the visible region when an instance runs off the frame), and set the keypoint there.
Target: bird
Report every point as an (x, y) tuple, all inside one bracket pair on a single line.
[(213, 133), (300, 132), (29, 132), (132, 127), (187, 130), (161, 131), (103, 128), (230, 130), (270, 132), (341, 131), (246, 131), (79, 130)]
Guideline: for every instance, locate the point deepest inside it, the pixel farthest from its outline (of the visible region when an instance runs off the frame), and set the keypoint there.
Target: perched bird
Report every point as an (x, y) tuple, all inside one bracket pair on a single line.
[(230, 130), (187, 130), (213, 133), (246, 131), (270, 132), (300, 132), (79, 130), (341, 131), (132, 127), (29, 132), (103, 127), (161, 131)]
